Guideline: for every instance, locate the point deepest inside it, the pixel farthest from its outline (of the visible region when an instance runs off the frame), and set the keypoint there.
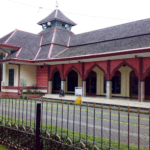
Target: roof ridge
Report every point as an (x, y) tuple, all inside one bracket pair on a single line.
[(51, 47), (60, 53), (39, 48), (29, 32), (68, 18), (10, 36)]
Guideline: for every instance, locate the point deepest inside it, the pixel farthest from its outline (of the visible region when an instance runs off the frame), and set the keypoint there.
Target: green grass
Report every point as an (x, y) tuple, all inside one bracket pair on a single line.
[(52, 129), (2, 147)]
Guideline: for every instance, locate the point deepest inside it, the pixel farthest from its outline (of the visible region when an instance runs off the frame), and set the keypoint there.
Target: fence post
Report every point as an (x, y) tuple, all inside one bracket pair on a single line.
[(38, 117)]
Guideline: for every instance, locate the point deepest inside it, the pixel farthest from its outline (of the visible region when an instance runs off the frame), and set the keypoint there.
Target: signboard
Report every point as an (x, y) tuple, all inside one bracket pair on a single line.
[(78, 91)]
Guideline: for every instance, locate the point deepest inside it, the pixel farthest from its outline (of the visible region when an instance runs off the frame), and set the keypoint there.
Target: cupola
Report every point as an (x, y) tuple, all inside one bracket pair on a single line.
[(56, 19)]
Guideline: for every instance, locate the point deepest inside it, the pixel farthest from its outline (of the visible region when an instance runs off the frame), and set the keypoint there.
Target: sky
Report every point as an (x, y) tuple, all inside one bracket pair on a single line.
[(89, 15)]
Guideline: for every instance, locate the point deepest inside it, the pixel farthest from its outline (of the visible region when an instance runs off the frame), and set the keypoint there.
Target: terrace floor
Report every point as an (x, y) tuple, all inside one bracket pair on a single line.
[(103, 100)]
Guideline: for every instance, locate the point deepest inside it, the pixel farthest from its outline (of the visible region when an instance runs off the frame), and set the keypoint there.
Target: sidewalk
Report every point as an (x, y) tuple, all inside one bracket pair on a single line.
[(103, 100)]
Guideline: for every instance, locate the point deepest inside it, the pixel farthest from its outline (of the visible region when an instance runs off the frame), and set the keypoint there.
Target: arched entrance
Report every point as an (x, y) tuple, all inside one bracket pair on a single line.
[(147, 87), (116, 83), (91, 83), (72, 80), (56, 82), (133, 85)]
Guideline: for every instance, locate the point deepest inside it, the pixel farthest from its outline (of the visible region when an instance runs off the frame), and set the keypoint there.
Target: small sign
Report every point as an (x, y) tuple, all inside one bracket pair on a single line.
[(78, 91)]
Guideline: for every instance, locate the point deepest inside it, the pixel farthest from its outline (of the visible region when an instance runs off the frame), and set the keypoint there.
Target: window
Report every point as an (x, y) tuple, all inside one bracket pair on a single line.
[(116, 83), (11, 77)]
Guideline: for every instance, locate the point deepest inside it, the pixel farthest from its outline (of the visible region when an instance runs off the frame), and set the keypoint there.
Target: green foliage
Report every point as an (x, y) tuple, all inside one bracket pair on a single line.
[(30, 92)]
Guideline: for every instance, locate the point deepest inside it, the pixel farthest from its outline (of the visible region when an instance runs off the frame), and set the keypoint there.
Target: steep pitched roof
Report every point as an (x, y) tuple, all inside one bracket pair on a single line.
[(108, 46), (57, 15), (28, 42), (53, 42), (4, 39), (135, 28)]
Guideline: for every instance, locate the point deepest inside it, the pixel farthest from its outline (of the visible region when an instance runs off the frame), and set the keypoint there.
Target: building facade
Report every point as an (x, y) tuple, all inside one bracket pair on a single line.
[(113, 61)]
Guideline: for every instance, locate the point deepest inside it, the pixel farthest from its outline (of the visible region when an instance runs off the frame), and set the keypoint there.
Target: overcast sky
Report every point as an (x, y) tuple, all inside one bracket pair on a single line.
[(88, 14)]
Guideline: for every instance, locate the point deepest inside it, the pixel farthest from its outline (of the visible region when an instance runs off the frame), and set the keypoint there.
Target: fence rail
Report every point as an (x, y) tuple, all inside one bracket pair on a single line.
[(57, 124)]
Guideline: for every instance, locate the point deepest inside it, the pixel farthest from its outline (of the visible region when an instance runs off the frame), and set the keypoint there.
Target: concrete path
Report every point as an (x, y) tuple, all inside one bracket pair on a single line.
[(103, 100)]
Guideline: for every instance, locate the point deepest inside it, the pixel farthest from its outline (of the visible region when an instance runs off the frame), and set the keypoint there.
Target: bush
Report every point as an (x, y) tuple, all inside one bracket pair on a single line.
[(28, 92)]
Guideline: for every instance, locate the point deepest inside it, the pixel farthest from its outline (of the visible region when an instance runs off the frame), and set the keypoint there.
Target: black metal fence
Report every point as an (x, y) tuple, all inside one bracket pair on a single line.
[(65, 125)]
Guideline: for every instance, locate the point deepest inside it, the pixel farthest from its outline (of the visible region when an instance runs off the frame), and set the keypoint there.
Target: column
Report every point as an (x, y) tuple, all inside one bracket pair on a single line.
[(63, 85), (50, 87), (142, 90), (108, 89), (84, 88), (4, 75)]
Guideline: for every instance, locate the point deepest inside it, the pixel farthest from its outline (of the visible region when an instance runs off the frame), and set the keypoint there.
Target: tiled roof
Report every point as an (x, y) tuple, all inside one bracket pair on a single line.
[(54, 41), (115, 32), (57, 15), (109, 46), (28, 42), (3, 39)]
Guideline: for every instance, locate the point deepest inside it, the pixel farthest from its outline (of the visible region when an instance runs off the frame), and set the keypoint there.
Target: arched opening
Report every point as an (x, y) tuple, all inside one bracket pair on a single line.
[(147, 87), (56, 82), (133, 85), (72, 80), (91, 83), (116, 83)]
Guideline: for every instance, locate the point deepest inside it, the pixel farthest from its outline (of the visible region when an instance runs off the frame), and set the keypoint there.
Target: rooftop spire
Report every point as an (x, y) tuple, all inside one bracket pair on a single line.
[(56, 5)]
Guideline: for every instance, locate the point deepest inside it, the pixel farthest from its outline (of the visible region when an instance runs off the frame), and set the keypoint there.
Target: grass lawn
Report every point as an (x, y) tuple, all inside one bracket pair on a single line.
[(3, 147)]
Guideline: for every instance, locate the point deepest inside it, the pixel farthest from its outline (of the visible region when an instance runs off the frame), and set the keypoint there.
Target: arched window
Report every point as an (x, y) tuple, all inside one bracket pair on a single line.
[(56, 81), (72, 80), (116, 83)]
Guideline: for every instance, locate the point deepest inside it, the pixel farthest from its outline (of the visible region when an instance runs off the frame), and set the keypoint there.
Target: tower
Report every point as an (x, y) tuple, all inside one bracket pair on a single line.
[(56, 19)]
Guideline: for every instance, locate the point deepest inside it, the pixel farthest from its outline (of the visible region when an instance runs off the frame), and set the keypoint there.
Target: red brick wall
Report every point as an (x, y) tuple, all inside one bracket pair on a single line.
[(53, 68), (146, 64), (69, 67), (42, 76)]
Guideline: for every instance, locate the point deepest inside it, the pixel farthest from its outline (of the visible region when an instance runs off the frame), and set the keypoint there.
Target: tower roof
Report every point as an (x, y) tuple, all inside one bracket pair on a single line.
[(57, 15)]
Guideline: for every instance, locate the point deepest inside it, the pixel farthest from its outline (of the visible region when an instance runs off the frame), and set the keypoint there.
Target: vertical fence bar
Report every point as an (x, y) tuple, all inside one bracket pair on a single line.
[(56, 117), (5, 111), (51, 115), (67, 118), (42, 114), (87, 105), (149, 128), (9, 110), (62, 123), (38, 117), (110, 126), (119, 127), (46, 113), (74, 104), (102, 126), (35, 114), (94, 125), (2, 111), (26, 111), (138, 128), (30, 111), (12, 111), (128, 110), (22, 111), (80, 124)]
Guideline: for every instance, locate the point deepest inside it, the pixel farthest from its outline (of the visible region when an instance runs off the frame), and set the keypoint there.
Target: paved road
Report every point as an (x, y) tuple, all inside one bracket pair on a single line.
[(27, 111)]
